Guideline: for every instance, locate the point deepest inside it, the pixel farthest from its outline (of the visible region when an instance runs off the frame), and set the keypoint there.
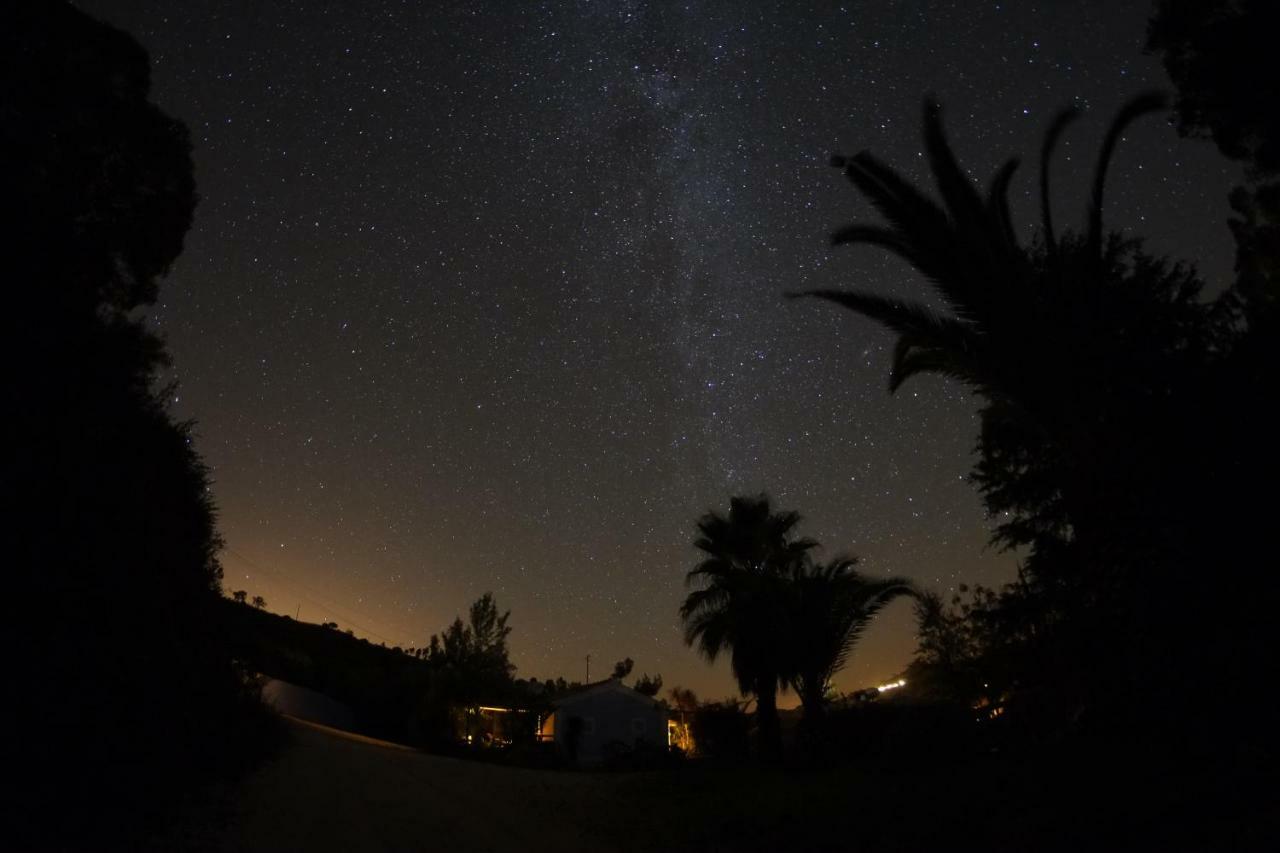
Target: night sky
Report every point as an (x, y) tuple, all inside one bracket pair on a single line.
[(487, 296)]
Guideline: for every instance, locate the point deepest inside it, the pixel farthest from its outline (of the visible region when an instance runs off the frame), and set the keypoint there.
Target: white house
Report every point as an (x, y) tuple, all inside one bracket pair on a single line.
[(608, 715)]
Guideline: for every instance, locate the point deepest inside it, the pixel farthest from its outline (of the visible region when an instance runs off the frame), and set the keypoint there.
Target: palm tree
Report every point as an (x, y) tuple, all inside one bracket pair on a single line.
[(1061, 339), (738, 603), (1002, 297), (832, 604), (1083, 350)]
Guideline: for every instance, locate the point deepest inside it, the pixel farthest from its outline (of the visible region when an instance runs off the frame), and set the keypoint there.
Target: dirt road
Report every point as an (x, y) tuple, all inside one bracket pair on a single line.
[(334, 791)]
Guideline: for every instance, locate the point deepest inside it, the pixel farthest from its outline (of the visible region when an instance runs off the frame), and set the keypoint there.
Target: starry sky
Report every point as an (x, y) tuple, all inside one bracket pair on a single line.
[(487, 296)]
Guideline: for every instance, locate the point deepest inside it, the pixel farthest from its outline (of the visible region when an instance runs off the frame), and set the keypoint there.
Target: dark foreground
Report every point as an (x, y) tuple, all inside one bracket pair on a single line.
[(329, 791)]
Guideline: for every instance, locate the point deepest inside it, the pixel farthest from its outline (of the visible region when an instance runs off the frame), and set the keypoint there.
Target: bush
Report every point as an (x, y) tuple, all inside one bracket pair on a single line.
[(721, 733), (901, 732)]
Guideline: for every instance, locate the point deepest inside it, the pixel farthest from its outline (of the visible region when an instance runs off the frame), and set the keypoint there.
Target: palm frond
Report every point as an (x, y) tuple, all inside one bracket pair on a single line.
[(926, 236), (894, 314), (907, 210), (998, 208), (1148, 102), (1056, 129), (912, 358), (958, 192), (875, 235)]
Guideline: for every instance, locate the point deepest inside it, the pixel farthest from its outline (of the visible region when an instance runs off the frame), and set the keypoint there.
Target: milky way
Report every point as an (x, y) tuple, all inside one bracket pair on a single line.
[(489, 296)]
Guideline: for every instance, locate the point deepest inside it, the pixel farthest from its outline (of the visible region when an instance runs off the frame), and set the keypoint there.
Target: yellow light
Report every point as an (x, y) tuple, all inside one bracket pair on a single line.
[(892, 685)]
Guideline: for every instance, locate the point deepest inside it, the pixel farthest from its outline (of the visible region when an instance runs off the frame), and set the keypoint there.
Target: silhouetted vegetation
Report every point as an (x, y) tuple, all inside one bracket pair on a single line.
[(735, 607), (785, 620), (429, 697), (648, 686), (129, 700), (622, 668), (383, 688), (1220, 55), (721, 732), (830, 605), (1123, 436)]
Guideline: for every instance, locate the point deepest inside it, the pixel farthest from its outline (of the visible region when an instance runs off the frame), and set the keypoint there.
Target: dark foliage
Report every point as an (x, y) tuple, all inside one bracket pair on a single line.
[(904, 733), (471, 657), (647, 685), (787, 621), (737, 605), (1220, 55), (382, 687), (129, 699), (829, 606), (721, 732), (1104, 450), (426, 700)]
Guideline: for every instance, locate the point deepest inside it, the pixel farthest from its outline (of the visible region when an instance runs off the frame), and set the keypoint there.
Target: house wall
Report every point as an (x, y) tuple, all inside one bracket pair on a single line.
[(607, 717)]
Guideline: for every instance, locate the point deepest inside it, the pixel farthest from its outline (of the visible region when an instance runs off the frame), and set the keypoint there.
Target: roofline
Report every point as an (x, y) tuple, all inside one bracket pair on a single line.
[(608, 685)]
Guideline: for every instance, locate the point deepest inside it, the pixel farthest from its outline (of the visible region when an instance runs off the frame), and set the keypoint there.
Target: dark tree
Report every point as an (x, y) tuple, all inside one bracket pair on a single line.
[(738, 602), (471, 657), (1220, 54), (259, 602), (622, 668), (110, 507), (649, 686), (831, 606), (1095, 364), (240, 596)]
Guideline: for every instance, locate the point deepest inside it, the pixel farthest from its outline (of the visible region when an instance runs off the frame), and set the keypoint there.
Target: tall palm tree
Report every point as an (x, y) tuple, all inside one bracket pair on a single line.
[(1082, 350), (832, 604), (738, 602), (1002, 297), (1061, 339)]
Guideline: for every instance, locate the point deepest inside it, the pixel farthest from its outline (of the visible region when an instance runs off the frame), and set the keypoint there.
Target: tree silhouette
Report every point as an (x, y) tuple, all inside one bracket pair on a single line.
[(831, 605), (240, 596), (649, 686), (114, 533), (737, 604), (1087, 355), (622, 668), (472, 656), (259, 602), (1220, 54)]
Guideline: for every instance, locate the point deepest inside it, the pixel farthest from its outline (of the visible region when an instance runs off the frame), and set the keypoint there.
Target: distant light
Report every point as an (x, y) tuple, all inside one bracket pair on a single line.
[(892, 685)]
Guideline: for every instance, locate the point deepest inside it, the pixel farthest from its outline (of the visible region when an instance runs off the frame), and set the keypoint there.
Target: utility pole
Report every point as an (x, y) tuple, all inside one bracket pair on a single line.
[(588, 681)]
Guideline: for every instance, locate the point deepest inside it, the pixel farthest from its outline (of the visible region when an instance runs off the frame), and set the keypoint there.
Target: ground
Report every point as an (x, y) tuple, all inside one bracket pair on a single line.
[(333, 791)]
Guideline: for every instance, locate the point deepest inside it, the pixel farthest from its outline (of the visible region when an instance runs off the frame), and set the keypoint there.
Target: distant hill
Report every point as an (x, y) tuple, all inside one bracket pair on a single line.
[(385, 688)]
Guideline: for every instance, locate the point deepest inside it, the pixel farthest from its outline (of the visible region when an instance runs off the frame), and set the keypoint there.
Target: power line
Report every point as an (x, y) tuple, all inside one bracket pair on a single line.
[(314, 598)]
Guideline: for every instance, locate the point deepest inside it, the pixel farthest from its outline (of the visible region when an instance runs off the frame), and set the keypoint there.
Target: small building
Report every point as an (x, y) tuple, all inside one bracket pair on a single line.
[(605, 719)]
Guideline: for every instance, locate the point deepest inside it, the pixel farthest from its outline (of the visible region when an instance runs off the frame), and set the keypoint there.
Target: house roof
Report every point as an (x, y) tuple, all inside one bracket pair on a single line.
[(609, 685)]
